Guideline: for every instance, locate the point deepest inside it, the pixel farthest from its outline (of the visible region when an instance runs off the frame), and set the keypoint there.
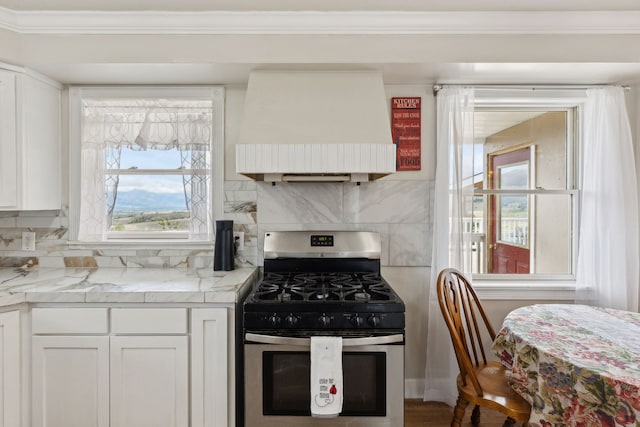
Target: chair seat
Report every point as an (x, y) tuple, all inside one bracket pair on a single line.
[(497, 393)]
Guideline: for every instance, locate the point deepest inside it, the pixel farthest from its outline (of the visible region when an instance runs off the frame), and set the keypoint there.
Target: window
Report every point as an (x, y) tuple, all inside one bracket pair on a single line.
[(147, 163), (521, 204)]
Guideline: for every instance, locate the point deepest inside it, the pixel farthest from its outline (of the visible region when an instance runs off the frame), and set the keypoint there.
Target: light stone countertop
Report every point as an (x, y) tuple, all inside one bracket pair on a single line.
[(116, 285)]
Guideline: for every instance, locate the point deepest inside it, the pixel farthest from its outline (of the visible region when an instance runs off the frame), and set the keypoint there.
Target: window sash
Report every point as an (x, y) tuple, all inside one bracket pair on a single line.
[(575, 216), (169, 235), (523, 191), (502, 100), (154, 235)]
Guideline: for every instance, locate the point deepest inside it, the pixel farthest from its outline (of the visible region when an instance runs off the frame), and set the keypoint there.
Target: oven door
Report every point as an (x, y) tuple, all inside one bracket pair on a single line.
[(277, 382)]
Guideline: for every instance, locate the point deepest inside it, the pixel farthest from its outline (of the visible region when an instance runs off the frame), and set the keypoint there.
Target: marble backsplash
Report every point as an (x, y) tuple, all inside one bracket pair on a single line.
[(399, 210)]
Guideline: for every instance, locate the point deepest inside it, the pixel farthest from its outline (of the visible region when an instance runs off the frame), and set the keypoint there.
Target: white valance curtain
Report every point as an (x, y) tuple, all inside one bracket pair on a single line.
[(110, 125), (607, 271), (451, 248)]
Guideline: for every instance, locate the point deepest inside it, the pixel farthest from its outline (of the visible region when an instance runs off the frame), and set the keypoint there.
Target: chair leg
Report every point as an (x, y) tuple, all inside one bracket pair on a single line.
[(475, 416), (509, 422), (458, 412)]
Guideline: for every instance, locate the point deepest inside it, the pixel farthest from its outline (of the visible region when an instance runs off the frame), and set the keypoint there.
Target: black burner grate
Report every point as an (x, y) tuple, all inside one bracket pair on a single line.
[(356, 287)]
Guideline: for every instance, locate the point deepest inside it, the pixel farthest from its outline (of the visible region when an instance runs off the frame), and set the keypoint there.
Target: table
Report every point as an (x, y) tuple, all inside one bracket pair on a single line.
[(577, 365)]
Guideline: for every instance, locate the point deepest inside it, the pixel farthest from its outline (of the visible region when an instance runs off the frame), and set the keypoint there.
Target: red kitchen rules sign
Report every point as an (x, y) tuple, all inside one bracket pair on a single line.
[(405, 131)]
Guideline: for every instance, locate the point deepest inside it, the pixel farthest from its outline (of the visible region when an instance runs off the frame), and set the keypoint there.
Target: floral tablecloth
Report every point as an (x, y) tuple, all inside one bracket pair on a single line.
[(577, 365)]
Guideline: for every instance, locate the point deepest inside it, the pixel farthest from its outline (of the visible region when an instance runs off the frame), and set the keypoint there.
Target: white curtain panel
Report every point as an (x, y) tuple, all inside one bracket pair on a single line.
[(451, 248), (93, 206), (607, 272)]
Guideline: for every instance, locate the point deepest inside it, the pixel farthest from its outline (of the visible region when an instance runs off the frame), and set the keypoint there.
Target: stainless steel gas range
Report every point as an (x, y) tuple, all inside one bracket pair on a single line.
[(323, 284)]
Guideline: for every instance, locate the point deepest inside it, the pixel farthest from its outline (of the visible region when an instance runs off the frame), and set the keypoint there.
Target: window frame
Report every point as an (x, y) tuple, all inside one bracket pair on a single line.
[(544, 99), (77, 93)]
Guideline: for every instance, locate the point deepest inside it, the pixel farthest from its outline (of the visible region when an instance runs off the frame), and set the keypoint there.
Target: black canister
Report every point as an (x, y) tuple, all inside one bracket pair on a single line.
[(224, 250)]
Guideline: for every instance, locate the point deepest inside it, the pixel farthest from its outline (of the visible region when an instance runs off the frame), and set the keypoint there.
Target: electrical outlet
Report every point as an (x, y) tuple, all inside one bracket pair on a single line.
[(240, 239), (29, 241)]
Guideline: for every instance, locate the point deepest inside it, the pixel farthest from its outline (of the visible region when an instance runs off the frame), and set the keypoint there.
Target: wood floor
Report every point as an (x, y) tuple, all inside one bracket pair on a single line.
[(433, 414)]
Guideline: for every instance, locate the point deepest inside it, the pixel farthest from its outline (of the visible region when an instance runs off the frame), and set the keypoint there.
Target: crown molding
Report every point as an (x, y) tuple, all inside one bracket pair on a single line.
[(319, 22)]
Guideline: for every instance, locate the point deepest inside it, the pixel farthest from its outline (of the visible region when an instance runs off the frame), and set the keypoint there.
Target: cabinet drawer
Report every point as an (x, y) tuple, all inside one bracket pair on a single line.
[(149, 321), (69, 321)]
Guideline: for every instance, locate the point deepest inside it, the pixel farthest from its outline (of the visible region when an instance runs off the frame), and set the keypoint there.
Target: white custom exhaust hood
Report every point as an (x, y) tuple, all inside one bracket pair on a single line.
[(315, 126)]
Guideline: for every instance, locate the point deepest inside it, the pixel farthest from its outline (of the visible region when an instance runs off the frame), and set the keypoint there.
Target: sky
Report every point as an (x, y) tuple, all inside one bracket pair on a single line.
[(150, 159)]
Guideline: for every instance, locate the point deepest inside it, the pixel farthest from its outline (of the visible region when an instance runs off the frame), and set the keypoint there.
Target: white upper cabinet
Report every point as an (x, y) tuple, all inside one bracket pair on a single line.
[(8, 141), (30, 143)]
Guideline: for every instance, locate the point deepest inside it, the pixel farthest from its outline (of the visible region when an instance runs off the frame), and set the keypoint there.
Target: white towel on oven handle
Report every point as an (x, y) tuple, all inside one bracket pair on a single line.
[(326, 376)]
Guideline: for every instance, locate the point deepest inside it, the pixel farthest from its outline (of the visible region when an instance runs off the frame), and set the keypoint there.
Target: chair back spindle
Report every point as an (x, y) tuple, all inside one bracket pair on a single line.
[(465, 319)]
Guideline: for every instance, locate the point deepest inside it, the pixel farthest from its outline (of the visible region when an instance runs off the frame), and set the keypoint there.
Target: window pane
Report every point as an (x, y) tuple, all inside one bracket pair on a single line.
[(149, 203), (514, 220), (513, 210), (148, 159), (539, 244), (514, 176), (545, 131)]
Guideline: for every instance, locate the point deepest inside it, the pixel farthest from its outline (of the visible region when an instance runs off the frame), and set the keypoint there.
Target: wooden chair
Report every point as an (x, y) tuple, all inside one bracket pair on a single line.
[(481, 382)]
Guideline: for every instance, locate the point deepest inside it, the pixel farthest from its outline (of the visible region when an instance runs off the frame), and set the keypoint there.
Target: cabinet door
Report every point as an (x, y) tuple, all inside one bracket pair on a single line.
[(10, 389), (209, 368), (149, 381), (8, 141), (70, 381), (39, 135)]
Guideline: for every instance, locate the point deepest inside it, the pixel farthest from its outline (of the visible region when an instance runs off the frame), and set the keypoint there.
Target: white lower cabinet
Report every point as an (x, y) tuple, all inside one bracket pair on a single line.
[(10, 368), (149, 381), (209, 368), (120, 378), (70, 381)]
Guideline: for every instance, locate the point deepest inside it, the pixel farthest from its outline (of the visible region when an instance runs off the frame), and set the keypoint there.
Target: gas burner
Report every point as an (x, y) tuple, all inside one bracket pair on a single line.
[(313, 292), (361, 296), (284, 296), (380, 292)]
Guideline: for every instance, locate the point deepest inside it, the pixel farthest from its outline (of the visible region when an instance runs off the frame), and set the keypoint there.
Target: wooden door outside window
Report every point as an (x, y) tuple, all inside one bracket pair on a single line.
[(509, 214)]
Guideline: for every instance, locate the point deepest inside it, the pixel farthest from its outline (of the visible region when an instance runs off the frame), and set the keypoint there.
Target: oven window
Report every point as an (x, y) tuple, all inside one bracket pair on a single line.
[(286, 388)]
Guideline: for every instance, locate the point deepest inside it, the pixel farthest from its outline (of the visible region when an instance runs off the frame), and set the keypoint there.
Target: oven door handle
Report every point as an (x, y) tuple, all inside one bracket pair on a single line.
[(306, 342)]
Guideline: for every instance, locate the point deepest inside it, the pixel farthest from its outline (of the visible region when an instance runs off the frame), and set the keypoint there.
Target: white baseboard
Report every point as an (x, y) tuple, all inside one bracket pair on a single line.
[(414, 388)]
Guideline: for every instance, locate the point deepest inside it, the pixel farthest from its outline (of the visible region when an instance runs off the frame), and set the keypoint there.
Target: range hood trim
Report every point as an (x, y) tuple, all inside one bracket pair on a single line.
[(314, 162)]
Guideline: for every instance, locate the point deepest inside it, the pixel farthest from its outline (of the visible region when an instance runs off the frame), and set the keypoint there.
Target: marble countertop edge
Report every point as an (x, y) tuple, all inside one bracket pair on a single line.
[(122, 285)]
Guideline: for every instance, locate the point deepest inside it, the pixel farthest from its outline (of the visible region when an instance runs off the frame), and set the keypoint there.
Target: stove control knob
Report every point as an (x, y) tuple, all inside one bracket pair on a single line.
[(291, 320), (357, 320), (324, 320), (373, 320), (273, 320)]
